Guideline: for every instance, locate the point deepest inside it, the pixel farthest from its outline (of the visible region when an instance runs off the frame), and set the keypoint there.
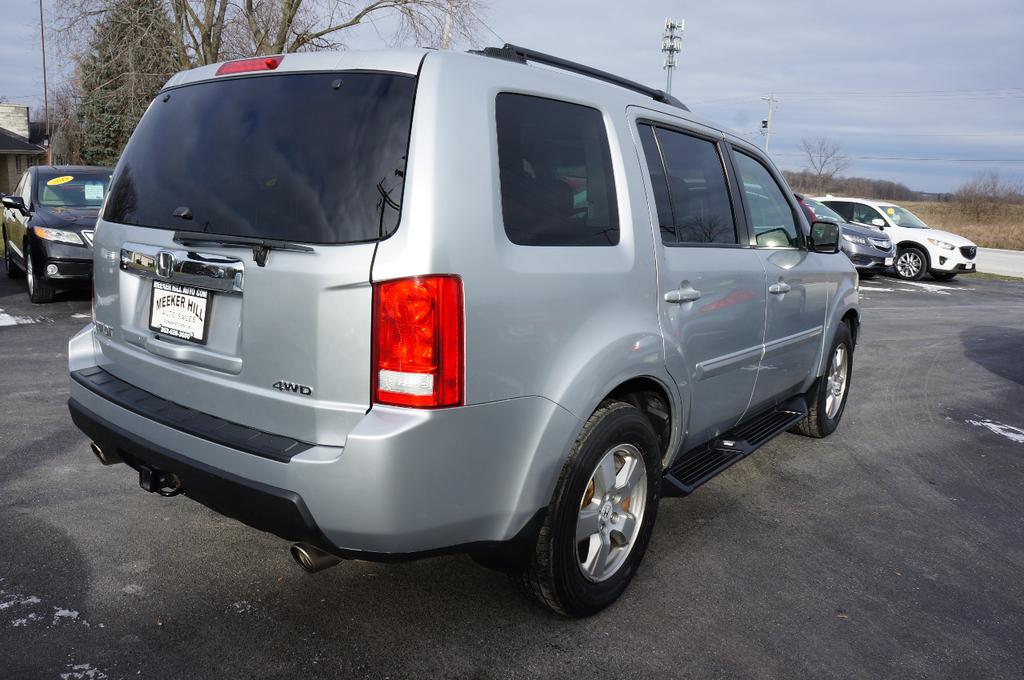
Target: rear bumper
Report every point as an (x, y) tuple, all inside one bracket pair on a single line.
[(407, 484)]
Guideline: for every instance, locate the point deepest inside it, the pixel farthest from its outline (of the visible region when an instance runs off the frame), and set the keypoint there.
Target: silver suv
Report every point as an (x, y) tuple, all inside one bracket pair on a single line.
[(392, 304)]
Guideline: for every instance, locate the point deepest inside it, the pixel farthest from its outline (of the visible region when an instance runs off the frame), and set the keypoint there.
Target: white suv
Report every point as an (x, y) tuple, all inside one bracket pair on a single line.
[(919, 248)]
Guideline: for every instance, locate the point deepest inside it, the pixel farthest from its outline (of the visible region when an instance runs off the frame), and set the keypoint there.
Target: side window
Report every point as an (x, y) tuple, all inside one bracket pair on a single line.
[(656, 167), (20, 189), (698, 193), (770, 214), (844, 209), (555, 170), (863, 214)]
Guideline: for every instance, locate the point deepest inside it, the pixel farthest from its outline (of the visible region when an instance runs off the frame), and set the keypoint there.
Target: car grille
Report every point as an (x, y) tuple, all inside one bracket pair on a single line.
[(969, 252), (87, 233), (881, 243)]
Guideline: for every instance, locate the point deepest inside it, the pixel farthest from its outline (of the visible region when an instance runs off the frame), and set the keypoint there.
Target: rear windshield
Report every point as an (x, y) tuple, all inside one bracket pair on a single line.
[(72, 188), (315, 158)]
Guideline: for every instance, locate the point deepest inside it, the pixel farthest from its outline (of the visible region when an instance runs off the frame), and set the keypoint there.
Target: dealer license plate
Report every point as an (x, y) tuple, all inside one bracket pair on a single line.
[(180, 311), (888, 262), (969, 265)]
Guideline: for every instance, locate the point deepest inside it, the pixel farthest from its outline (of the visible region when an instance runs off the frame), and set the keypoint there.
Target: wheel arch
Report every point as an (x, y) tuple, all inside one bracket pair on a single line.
[(905, 243)]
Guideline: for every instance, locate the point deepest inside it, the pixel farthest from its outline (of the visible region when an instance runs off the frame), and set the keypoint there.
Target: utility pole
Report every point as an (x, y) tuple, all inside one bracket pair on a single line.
[(446, 34), (46, 91), (766, 124), (671, 44)]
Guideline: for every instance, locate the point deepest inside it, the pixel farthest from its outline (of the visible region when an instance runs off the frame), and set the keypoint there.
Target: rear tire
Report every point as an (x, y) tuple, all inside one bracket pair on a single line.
[(911, 263), (39, 291), (826, 402), (610, 483), (12, 269), (943, 276)]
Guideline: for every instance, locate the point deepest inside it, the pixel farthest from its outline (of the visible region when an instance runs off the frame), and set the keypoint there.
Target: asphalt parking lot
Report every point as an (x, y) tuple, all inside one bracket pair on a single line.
[(895, 548)]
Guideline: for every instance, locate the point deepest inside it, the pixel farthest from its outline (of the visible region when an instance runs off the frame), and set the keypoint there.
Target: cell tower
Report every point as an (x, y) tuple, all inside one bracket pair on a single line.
[(671, 43)]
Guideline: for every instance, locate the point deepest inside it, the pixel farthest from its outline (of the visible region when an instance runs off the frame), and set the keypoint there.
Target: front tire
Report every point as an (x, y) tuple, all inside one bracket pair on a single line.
[(827, 399), (943, 276), (601, 515), (39, 291), (911, 263)]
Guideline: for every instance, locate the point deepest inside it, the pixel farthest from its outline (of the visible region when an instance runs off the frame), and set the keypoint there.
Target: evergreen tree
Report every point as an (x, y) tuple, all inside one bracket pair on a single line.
[(131, 55)]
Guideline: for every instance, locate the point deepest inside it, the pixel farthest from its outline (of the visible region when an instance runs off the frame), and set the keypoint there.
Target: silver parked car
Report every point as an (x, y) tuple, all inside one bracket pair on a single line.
[(391, 304)]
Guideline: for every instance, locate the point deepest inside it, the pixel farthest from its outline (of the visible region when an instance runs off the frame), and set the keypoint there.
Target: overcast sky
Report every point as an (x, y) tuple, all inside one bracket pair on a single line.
[(895, 79)]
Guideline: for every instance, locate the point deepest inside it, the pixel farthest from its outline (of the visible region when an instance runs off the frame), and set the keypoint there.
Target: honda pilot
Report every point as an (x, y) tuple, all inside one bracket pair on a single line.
[(388, 305)]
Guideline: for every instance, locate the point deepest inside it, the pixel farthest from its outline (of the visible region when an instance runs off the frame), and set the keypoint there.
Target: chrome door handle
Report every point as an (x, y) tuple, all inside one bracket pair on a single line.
[(779, 288), (680, 295)]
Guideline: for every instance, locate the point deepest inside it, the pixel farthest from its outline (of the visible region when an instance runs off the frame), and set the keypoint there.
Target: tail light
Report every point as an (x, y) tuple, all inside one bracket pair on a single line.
[(418, 342), (249, 65)]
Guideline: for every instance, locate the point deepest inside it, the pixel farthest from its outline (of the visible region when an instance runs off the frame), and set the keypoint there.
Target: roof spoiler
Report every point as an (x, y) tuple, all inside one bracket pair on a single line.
[(524, 55)]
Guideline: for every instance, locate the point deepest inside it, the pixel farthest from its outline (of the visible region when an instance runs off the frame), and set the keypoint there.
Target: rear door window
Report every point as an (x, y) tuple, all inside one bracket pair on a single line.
[(315, 158), (771, 215), (555, 170), (844, 208), (691, 192)]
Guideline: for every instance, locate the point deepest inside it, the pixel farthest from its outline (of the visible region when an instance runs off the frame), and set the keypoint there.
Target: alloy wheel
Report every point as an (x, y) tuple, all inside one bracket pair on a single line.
[(837, 379), (909, 264), (611, 512)]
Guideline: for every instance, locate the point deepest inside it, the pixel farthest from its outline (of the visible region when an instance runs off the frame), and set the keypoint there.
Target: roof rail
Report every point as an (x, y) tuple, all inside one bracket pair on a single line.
[(523, 55)]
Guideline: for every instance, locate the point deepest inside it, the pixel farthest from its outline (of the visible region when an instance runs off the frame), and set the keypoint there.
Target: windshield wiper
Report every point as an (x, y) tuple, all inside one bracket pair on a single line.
[(261, 247)]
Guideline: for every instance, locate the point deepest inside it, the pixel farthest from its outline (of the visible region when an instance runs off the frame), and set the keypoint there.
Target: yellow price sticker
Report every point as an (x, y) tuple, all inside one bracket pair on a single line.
[(56, 181), (891, 211)]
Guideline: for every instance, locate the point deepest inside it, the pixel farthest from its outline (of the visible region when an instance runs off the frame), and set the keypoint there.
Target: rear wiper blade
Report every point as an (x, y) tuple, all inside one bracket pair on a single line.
[(261, 247)]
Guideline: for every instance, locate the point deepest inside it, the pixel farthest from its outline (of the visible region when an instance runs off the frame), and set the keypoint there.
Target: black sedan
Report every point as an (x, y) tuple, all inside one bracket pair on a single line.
[(48, 225)]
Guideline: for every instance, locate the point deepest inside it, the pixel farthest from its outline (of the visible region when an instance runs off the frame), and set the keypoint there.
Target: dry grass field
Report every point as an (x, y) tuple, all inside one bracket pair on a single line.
[(1003, 227)]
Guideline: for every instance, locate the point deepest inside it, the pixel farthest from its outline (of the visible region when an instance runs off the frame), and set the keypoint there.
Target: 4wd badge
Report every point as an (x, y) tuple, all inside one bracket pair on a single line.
[(287, 386)]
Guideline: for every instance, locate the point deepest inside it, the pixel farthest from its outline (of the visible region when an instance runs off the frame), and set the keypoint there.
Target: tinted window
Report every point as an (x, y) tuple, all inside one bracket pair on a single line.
[(71, 188), (843, 208), (699, 195), (556, 173), (770, 213), (659, 181), (318, 158)]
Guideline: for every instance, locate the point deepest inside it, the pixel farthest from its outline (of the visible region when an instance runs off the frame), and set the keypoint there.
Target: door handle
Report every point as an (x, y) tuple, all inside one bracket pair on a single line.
[(686, 293), (779, 288)]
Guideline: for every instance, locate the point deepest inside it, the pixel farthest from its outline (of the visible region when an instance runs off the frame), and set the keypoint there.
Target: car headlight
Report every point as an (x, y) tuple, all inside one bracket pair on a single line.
[(58, 235), (859, 240), (941, 244)]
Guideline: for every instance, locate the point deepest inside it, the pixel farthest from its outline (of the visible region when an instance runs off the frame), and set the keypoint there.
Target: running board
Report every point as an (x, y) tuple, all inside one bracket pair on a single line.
[(698, 465)]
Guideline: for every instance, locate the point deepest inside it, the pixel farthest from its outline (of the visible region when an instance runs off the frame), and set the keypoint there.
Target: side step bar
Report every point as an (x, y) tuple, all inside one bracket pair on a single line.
[(698, 465)]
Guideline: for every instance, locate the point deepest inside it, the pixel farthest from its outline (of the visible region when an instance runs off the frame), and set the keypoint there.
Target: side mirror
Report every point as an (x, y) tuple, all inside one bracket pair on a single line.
[(14, 203), (878, 222), (824, 237)]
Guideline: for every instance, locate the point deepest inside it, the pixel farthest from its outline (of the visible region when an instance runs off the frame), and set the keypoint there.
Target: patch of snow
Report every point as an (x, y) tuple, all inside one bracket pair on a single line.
[(81, 316), (61, 613), (83, 671), (19, 601), (1014, 434), (242, 607), (13, 320)]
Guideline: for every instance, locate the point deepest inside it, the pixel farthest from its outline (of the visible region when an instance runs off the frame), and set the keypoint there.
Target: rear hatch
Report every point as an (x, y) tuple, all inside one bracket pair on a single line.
[(233, 253)]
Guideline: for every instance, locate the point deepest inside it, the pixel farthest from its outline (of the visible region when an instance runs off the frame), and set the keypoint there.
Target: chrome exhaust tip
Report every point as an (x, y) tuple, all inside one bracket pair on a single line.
[(105, 457), (312, 559)]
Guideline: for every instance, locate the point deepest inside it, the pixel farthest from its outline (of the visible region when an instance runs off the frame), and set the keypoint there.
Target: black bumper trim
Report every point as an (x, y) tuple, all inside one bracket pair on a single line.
[(189, 421), (279, 511)]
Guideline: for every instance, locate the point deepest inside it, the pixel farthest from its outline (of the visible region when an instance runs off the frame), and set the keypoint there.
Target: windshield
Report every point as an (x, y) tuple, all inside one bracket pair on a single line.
[(314, 158), (822, 211), (72, 188), (902, 217)]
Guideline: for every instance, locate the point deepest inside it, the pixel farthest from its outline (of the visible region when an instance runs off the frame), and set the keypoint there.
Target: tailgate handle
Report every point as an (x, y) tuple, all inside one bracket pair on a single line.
[(203, 270)]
